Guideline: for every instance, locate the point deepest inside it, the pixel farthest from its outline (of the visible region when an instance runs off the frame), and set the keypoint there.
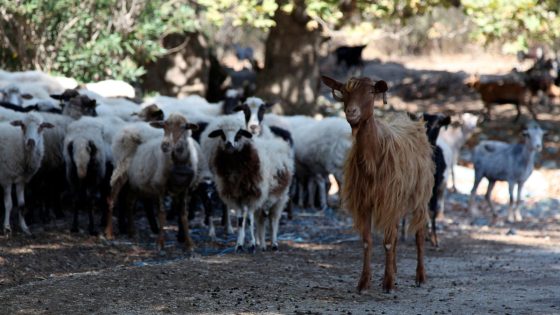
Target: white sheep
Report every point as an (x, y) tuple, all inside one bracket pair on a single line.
[(252, 175), (22, 152), (157, 166), (111, 88)]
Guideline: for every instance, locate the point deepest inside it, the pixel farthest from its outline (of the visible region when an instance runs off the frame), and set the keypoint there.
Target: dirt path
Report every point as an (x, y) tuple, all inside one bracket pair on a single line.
[(478, 270)]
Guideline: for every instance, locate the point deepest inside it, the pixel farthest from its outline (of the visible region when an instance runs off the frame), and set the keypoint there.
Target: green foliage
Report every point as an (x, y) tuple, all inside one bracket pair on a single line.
[(89, 40), (516, 23)]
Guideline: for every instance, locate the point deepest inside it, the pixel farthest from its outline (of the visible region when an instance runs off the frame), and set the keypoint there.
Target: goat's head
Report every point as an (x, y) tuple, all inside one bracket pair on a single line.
[(150, 113), (469, 122), (32, 127), (176, 131), (358, 95), (233, 136), (433, 125), (533, 136), (472, 81), (254, 109)]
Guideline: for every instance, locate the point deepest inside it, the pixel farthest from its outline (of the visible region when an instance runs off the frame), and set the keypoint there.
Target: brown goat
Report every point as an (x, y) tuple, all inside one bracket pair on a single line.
[(502, 92), (388, 173)]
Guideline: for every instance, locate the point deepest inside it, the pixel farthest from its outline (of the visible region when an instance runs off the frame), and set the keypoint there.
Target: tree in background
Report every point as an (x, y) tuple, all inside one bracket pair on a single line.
[(88, 39)]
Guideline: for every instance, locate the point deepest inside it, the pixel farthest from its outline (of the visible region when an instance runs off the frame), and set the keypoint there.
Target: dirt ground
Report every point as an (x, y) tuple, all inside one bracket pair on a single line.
[(478, 269)]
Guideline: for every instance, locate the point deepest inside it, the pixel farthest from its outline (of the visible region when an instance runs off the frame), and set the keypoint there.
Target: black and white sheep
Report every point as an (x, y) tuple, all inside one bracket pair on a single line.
[(252, 174)]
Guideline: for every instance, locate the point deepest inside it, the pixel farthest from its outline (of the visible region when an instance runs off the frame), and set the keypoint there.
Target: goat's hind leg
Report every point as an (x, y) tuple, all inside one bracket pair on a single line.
[(510, 217), (7, 208), (488, 198), (420, 271), (517, 213)]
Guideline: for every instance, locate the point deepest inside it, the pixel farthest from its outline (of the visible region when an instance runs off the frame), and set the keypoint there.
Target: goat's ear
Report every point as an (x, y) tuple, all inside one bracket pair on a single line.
[(17, 123), (158, 124), (216, 133), (193, 127), (245, 133), (46, 125), (332, 83), (446, 121), (380, 87)]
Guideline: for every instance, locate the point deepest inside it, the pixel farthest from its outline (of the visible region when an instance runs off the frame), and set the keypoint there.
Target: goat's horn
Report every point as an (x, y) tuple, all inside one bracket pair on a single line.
[(384, 98)]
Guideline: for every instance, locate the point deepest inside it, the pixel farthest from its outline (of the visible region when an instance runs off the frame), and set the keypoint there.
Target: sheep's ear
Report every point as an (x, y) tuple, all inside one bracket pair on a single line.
[(91, 103), (245, 133), (92, 147), (332, 83), (268, 105), (525, 133), (380, 87), (17, 123), (46, 125), (216, 133), (56, 96), (193, 127), (157, 124), (26, 96)]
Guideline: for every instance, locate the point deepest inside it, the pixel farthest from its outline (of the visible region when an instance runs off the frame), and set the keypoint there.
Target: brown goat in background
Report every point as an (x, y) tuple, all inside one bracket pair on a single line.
[(389, 172)]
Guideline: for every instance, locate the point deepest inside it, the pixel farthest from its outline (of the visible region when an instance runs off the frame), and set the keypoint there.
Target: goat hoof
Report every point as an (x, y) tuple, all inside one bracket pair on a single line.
[(420, 279), (239, 249), (7, 231), (275, 247), (364, 284)]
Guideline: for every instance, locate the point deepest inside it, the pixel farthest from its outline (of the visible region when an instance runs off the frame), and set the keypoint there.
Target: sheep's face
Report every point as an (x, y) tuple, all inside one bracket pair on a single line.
[(32, 127), (150, 113), (176, 131), (82, 151), (254, 109), (534, 135), (233, 97), (77, 106), (233, 139), (358, 96)]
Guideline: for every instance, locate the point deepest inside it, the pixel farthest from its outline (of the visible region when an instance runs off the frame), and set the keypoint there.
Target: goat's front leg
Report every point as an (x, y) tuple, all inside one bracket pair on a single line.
[(20, 192), (517, 214), (510, 217), (488, 197), (365, 278), (261, 218), (389, 242), (7, 208)]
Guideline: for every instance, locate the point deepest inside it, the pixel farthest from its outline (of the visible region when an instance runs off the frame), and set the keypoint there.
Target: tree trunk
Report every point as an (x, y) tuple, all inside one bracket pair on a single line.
[(291, 72)]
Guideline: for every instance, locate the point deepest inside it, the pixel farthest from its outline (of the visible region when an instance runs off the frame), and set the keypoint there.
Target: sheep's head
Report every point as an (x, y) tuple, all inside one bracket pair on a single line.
[(176, 131), (77, 106), (232, 137), (32, 127), (254, 109), (150, 113), (533, 136), (358, 95), (82, 150)]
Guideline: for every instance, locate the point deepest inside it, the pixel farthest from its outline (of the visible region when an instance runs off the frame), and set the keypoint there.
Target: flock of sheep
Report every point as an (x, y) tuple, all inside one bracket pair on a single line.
[(97, 148)]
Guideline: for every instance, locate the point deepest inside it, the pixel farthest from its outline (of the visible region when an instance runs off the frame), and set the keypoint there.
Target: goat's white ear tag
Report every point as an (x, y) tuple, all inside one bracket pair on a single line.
[(337, 95)]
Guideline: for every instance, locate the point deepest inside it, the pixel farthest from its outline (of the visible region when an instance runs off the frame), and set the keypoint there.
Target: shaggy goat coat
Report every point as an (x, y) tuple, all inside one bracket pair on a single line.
[(380, 176)]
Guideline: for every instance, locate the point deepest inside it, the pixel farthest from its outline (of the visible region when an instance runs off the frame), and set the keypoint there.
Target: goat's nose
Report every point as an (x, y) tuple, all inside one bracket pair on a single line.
[(30, 143)]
